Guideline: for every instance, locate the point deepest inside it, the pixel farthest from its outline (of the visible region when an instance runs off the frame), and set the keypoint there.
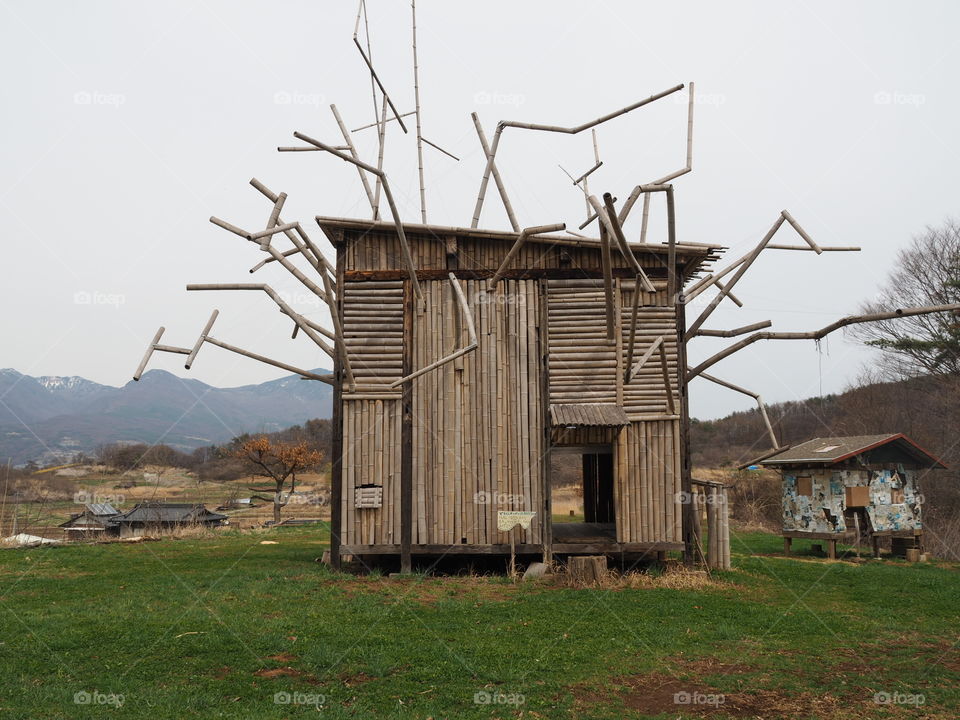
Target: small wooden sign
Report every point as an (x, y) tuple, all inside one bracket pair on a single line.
[(509, 519)]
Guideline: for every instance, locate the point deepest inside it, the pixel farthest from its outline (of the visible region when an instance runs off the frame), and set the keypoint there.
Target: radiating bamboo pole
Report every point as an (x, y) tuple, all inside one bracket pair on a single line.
[(408, 258), (329, 379), (821, 333), (608, 215), (492, 168), (146, 355), (749, 393), (274, 218), (368, 126), (381, 146), (735, 331), (383, 90), (851, 248), (203, 335), (518, 243), (698, 323), (503, 124), (353, 153), (273, 295), (802, 233), (416, 96), (437, 147)]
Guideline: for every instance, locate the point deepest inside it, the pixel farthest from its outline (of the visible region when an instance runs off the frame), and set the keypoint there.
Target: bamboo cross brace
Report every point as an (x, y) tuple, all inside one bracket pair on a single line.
[(665, 370), (521, 239), (503, 124), (818, 334), (471, 331), (634, 314), (654, 346), (608, 214), (488, 153), (408, 258), (373, 124), (750, 393)]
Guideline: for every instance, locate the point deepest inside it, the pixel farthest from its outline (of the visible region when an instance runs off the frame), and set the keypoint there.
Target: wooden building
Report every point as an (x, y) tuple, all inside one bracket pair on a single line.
[(96, 521), (542, 365), (838, 487)]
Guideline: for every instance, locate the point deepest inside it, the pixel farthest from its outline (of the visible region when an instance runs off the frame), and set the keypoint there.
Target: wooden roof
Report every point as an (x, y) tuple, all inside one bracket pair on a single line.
[(832, 450), (695, 255), (588, 415)]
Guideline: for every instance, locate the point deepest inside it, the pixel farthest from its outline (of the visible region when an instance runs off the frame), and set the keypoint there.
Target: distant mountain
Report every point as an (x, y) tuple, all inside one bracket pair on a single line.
[(51, 418)]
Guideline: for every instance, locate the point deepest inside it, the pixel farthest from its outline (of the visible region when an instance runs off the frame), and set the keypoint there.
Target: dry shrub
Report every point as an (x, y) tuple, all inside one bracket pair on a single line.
[(756, 499)]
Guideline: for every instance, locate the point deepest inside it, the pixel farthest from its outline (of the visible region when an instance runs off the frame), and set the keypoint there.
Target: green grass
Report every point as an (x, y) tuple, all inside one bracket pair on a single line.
[(194, 627)]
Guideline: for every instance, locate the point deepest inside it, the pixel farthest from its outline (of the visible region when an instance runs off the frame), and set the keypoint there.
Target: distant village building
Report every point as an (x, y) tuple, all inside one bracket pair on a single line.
[(149, 518), (96, 520), (834, 487)]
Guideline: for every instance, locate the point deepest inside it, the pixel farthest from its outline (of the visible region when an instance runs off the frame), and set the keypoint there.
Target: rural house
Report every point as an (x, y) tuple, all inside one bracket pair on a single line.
[(96, 520), (837, 487), (153, 518)]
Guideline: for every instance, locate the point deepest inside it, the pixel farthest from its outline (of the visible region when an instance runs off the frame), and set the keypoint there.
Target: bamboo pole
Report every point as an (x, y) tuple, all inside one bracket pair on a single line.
[(329, 379), (416, 96), (354, 155), (821, 333), (735, 331), (503, 124), (471, 330), (408, 258), (521, 239), (750, 393), (492, 168)]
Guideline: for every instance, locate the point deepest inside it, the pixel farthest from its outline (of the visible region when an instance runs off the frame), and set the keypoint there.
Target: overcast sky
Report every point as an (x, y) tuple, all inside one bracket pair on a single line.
[(126, 125)]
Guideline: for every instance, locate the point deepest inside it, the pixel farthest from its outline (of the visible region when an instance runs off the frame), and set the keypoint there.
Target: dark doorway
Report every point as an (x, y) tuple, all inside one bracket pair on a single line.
[(598, 488)]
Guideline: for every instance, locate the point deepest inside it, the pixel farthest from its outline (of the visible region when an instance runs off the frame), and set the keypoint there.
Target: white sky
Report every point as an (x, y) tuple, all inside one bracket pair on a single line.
[(126, 125)]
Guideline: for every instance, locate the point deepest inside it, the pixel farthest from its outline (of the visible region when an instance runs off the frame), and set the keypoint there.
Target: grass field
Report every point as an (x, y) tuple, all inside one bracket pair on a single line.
[(225, 626)]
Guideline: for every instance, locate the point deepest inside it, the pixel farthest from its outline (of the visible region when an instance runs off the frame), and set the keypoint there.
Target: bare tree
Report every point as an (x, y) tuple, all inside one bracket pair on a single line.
[(279, 462), (927, 272)]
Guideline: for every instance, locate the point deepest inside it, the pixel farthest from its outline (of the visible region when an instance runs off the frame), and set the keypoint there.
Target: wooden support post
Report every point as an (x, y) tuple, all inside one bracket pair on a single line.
[(787, 543), (406, 435), (336, 465), (876, 546), (546, 525), (688, 511), (607, 281), (831, 549)]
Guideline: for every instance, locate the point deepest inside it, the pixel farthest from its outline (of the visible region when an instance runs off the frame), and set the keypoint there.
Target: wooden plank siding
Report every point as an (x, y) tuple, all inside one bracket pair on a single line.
[(478, 438)]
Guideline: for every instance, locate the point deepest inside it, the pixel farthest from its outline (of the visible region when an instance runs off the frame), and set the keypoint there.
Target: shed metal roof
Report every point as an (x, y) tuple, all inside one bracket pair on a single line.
[(101, 509), (831, 450), (169, 513), (588, 414)]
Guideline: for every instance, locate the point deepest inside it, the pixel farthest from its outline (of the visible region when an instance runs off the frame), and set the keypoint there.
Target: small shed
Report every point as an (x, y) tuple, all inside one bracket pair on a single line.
[(835, 488), (96, 520), (149, 517)]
